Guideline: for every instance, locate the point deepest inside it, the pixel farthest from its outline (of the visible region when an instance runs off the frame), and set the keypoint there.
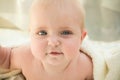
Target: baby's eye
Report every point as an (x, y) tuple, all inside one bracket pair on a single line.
[(42, 33), (66, 32)]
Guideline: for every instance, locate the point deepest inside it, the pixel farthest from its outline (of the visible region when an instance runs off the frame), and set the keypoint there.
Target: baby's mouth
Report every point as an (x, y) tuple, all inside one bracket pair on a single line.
[(56, 53)]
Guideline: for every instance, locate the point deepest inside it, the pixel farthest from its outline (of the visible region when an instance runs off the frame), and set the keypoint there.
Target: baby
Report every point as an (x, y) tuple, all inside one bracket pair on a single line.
[(56, 33)]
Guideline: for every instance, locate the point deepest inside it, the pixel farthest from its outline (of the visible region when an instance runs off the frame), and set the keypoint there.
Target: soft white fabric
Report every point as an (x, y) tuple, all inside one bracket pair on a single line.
[(13, 37), (105, 57)]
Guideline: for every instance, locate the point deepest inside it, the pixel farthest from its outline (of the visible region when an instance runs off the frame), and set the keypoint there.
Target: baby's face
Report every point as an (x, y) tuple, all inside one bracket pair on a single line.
[(55, 36)]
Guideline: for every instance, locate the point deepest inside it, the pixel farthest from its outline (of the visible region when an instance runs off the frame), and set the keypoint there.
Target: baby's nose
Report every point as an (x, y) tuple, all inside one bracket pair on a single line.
[(53, 41)]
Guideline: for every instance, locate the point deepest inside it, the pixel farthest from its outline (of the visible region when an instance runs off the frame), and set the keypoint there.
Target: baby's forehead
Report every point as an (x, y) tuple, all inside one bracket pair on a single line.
[(57, 8), (57, 5)]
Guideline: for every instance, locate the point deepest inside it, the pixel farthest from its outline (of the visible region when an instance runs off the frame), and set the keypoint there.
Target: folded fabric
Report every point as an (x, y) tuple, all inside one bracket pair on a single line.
[(8, 74), (105, 57)]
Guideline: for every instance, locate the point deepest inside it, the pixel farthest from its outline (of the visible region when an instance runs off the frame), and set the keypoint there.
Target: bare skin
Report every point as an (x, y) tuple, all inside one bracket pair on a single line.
[(80, 69)]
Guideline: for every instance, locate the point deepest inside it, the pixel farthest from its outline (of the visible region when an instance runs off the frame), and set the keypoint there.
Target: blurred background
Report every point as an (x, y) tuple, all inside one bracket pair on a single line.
[(102, 19)]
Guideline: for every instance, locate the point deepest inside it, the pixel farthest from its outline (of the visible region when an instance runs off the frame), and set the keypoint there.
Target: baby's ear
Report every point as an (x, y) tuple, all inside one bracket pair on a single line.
[(83, 34)]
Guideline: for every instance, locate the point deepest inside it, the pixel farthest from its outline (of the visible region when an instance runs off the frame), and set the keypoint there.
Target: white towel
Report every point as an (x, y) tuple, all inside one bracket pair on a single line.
[(105, 57)]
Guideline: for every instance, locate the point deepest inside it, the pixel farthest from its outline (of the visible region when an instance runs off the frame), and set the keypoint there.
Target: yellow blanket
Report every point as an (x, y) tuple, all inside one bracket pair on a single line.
[(8, 74)]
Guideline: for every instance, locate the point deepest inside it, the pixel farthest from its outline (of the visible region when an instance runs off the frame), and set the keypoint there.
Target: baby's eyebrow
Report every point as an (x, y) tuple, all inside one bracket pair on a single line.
[(40, 27), (65, 27), (57, 27)]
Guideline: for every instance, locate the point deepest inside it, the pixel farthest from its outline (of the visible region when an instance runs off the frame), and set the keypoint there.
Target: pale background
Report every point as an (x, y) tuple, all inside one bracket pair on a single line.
[(102, 19)]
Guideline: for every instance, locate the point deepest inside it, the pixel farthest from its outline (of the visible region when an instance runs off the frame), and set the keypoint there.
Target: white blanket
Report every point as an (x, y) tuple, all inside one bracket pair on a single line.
[(105, 57)]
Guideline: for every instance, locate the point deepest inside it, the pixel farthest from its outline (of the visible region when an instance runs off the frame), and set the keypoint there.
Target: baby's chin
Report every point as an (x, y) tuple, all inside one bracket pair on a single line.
[(54, 58)]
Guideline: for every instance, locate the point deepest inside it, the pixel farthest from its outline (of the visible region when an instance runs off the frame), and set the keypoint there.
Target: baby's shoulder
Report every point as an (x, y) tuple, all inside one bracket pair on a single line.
[(87, 65), (20, 55), (21, 50)]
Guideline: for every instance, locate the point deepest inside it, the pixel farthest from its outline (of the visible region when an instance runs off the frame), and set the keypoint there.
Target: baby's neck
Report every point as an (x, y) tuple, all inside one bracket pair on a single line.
[(54, 70), (60, 69)]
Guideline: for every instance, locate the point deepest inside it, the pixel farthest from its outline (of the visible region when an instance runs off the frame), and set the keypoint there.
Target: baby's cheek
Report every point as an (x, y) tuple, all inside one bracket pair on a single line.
[(73, 45), (71, 50), (38, 48)]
